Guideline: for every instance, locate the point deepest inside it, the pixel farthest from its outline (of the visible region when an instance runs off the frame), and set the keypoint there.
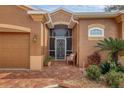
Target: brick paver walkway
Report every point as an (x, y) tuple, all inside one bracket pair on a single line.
[(58, 72)]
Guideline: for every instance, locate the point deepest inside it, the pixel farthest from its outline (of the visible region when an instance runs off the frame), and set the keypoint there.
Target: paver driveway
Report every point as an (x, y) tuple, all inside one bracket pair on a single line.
[(58, 72)]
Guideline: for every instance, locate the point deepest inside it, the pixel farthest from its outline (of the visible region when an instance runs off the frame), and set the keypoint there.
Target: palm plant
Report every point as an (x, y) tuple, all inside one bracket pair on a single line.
[(114, 46)]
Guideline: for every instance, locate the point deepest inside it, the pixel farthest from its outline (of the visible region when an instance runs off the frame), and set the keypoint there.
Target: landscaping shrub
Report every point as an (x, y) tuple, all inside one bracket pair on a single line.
[(107, 66), (95, 58), (120, 69), (113, 45), (104, 67), (93, 72), (113, 65), (114, 79)]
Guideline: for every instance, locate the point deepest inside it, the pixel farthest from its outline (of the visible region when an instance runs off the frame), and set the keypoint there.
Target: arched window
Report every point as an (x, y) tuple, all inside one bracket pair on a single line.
[(96, 32)]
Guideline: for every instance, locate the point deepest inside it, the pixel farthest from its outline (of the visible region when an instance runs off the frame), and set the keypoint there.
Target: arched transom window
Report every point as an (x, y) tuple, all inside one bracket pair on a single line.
[(96, 32)]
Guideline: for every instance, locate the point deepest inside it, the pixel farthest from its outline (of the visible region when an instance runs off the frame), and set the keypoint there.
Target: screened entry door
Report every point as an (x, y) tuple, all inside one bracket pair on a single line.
[(60, 49)]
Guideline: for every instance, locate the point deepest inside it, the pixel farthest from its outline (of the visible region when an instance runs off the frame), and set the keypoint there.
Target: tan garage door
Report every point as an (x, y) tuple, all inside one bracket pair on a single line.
[(14, 50)]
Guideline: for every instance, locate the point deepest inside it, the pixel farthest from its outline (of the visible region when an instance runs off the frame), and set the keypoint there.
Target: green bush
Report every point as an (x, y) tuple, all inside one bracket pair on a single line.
[(107, 66), (104, 67), (121, 69), (93, 72), (113, 66), (114, 79)]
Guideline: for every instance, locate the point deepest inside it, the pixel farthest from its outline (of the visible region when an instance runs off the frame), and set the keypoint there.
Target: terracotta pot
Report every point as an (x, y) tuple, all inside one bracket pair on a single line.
[(49, 64)]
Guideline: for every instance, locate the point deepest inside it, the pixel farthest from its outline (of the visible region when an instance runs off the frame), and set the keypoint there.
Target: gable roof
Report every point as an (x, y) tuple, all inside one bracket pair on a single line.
[(61, 9)]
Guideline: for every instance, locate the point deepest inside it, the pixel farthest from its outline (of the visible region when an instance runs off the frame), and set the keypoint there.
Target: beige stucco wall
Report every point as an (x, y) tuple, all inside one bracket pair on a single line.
[(35, 62), (86, 46)]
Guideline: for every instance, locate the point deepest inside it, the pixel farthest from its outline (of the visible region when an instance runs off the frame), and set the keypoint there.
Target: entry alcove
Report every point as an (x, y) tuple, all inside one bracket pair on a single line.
[(60, 42)]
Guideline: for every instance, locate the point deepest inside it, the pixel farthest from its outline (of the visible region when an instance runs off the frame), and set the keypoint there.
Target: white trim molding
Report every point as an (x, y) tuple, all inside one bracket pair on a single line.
[(16, 27), (51, 23)]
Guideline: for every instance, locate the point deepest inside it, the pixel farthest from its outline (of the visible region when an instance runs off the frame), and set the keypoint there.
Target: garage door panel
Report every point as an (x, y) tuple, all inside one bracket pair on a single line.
[(14, 50)]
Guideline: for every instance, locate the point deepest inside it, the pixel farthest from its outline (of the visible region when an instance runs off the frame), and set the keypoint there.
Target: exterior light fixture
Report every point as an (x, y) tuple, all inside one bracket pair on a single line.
[(35, 38)]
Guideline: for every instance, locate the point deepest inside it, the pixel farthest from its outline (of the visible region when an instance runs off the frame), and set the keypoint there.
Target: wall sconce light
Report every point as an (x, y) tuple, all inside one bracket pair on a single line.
[(35, 38)]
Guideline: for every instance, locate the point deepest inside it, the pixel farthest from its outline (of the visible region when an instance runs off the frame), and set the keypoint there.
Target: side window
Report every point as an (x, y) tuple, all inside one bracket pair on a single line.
[(95, 32)]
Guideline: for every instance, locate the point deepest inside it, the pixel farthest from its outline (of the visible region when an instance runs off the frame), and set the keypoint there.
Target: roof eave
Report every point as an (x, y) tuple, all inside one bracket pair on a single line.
[(26, 7), (84, 14), (36, 12), (97, 15)]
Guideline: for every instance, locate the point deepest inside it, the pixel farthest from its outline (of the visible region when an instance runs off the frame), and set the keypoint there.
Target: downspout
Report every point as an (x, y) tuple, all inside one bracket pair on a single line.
[(49, 21), (72, 18), (41, 41), (77, 23), (44, 40), (44, 32)]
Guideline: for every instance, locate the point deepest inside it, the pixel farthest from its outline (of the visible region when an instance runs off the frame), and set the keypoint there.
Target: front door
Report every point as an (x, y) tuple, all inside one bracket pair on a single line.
[(60, 49)]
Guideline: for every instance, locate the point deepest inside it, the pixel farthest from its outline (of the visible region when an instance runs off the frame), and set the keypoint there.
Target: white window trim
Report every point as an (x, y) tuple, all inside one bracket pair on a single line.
[(89, 30)]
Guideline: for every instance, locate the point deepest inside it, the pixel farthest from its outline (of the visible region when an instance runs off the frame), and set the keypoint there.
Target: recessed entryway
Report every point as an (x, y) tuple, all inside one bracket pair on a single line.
[(60, 44)]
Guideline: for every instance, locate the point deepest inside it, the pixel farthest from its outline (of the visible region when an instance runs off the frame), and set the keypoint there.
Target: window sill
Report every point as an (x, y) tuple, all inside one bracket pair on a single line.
[(95, 38)]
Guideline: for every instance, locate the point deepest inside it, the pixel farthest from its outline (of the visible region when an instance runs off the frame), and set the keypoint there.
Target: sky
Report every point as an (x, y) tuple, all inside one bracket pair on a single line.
[(73, 8)]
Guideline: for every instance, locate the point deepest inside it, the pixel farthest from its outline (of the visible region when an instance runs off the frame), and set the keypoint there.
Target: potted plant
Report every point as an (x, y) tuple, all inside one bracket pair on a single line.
[(48, 61)]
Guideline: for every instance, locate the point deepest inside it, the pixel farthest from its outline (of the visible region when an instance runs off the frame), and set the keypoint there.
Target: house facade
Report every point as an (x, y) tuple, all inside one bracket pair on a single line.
[(28, 36)]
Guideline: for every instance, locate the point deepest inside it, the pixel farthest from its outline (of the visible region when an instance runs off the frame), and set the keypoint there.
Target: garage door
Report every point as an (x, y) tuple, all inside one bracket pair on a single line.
[(14, 50)]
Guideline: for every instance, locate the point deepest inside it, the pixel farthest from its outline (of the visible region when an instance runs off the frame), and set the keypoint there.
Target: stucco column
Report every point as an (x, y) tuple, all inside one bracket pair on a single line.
[(36, 61), (120, 20), (121, 57), (122, 29)]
